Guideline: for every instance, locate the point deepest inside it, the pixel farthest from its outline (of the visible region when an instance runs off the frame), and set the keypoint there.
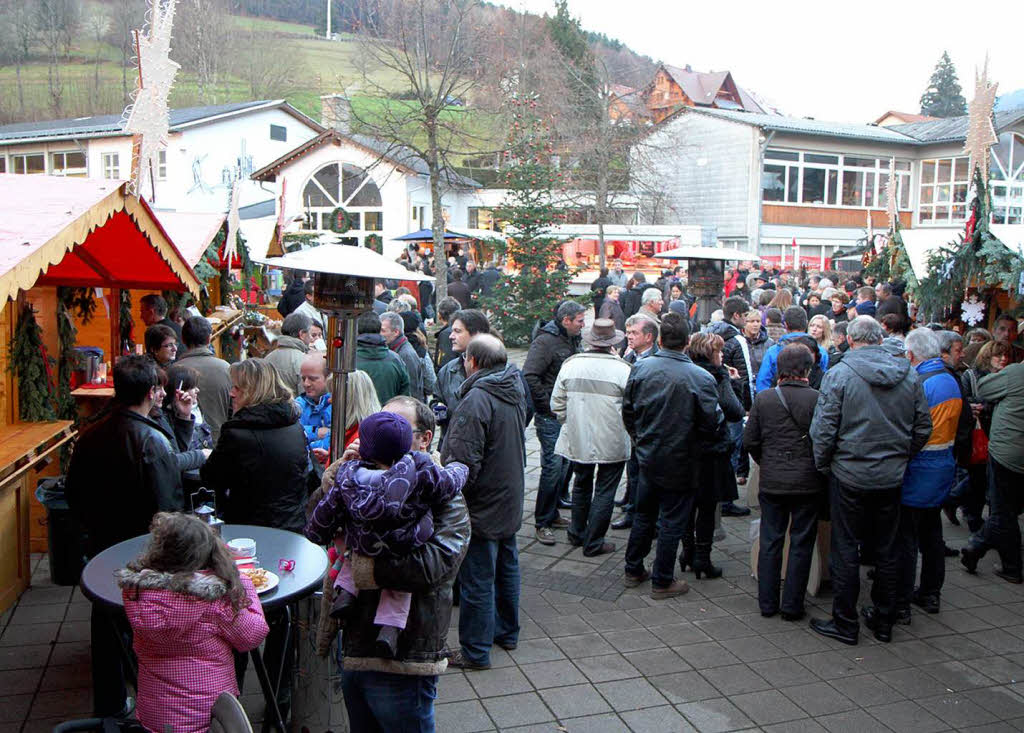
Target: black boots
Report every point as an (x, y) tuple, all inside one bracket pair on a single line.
[(686, 558), (702, 562)]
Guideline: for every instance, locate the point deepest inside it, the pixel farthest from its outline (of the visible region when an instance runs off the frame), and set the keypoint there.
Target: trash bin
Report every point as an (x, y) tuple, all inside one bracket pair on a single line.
[(63, 535)]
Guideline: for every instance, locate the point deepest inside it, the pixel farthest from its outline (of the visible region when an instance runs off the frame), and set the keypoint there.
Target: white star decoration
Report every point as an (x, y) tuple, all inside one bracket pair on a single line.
[(230, 242), (981, 135), (147, 116), (972, 311)]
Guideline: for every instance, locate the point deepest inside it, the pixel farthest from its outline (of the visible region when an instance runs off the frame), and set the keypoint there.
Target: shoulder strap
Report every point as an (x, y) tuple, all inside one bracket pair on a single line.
[(973, 376), (785, 406)]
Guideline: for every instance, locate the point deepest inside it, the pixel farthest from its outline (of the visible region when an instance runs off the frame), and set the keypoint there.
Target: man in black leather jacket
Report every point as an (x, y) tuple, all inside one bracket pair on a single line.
[(123, 471)]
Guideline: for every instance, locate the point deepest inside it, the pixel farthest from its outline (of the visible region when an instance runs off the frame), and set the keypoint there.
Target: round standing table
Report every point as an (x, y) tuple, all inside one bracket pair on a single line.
[(100, 586)]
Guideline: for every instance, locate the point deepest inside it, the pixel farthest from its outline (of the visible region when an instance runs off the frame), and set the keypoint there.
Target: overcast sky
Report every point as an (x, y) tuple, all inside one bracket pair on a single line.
[(829, 59)]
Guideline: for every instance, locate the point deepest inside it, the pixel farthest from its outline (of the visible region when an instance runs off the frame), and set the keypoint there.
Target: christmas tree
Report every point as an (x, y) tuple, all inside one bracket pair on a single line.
[(33, 368), (520, 300), (943, 97)]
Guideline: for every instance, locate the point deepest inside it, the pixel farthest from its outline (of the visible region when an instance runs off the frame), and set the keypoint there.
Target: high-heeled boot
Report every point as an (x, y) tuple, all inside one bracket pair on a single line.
[(686, 557), (702, 562)]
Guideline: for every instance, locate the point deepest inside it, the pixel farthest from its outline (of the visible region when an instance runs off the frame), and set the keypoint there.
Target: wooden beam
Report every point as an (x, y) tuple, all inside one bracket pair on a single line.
[(92, 262)]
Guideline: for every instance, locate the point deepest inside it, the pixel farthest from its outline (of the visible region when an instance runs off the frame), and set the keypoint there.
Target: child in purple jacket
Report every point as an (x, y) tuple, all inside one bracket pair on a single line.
[(380, 504)]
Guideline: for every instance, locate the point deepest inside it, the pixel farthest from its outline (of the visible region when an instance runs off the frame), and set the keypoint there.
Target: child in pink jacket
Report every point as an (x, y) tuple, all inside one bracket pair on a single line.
[(189, 608)]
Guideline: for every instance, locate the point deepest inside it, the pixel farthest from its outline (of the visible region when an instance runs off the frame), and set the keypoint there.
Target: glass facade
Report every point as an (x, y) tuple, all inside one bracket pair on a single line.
[(823, 179)]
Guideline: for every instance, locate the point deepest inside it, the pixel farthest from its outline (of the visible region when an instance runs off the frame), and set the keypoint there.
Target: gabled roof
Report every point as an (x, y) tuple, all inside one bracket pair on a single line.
[(953, 129), (904, 116), (804, 126), (112, 125), (398, 155), (702, 87)]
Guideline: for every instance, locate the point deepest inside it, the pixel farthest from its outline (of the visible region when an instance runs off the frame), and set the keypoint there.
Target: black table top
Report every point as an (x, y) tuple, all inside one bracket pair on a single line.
[(99, 585)]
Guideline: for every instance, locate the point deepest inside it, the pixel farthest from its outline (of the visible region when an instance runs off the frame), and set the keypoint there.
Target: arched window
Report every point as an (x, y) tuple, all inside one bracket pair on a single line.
[(346, 186)]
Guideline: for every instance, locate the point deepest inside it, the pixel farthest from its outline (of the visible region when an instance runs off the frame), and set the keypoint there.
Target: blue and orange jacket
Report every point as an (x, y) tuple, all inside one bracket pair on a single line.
[(929, 476)]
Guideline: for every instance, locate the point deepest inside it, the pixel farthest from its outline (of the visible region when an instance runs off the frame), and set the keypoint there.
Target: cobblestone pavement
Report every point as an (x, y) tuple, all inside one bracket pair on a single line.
[(595, 657)]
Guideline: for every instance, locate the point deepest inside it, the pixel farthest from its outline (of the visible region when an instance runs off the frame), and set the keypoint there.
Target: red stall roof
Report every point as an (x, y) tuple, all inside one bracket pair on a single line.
[(83, 233)]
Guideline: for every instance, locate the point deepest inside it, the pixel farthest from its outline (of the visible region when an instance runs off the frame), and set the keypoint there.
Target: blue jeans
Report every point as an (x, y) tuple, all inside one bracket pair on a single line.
[(740, 460), (554, 470), (488, 597), (379, 701)]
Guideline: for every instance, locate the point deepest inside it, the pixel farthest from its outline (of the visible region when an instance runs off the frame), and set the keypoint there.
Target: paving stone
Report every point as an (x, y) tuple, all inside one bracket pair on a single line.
[(866, 689), (575, 701), (607, 668), (724, 628), (679, 634), (753, 648), (684, 687), (852, 720), (591, 644), (803, 725), (706, 655), (631, 694), (657, 661), (1001, 701), (567, 626), (907, 716), (536, 650), (553, 674), (784, 672), (462, 717), (23, 657), (957, 676), (74, 631), (714, 716), (52, 594), (523, 709), (65, 677), (76, 703), (767, 707), (660, 615), (915, 652), (607, 723), (957, 710), (40, 613), (632, 640), (21, 681), (502, 681), (664, 719), (30, 634), (735, 679), (998, 641), (453, 688), (819, 698), (14, 708), (830, 665)]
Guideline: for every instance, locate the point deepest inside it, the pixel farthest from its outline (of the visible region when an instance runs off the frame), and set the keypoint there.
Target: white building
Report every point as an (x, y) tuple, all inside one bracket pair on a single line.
[(209, 148)]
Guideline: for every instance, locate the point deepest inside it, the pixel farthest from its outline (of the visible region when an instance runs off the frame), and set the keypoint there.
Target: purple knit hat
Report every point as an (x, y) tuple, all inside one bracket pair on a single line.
[(384, 437)]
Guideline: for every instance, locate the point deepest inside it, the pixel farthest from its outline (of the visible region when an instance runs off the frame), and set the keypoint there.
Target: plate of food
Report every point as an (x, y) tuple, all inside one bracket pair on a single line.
[(262, 580)]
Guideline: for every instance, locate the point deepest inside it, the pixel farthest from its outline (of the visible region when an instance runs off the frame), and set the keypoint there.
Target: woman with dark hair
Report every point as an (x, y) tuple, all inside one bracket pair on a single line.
[(717, 480), (189, 610), (791, 487)]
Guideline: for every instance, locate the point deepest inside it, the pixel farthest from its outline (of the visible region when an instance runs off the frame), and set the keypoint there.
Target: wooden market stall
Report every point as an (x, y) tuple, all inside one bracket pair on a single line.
[(72, 233)]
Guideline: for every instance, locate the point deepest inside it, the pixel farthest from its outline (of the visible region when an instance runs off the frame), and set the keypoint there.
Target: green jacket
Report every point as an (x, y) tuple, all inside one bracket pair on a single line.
[(384, 366), (1006, 437)]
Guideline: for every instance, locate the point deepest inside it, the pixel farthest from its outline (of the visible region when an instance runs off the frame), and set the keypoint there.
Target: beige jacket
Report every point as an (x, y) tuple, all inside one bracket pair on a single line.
[(587, 400)]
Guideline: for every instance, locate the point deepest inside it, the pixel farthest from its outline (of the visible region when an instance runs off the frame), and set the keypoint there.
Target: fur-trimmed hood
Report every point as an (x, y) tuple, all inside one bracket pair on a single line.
[(204, 586)]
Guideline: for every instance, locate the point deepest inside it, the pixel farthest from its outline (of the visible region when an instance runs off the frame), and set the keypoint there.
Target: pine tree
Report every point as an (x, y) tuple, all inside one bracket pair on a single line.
[(29, 363), (520, 300), (943, 97)]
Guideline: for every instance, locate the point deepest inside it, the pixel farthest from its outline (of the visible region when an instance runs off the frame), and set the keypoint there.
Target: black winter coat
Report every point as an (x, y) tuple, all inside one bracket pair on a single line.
[(732, 355), (486, 434), (715, 461), (549, 349), (293, 296), (124, 470), (427, 573), (781, 444), (260, 467), (669, 407)]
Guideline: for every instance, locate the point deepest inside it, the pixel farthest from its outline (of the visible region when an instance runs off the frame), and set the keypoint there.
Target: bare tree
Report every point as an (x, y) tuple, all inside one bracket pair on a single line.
[(435, 48), (56, 22), (204, 43), (96, 22), (17, 34), (268, 75), (125, 16)]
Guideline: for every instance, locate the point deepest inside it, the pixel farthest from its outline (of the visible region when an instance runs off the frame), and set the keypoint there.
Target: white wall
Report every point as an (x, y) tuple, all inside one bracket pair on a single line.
[(698, 170)]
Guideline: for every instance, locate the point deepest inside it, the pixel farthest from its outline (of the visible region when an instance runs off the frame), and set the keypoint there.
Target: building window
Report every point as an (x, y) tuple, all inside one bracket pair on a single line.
[(161, 165), (346, 186), (28, 164), (481, 219), (944, 183), (821, 179), (70, 163), (279, 133), (111, 165), (3, 164), (1007, 179)]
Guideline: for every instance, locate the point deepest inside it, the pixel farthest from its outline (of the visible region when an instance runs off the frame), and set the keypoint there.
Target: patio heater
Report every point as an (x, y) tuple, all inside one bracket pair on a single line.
[(343, 279), (705, 272)]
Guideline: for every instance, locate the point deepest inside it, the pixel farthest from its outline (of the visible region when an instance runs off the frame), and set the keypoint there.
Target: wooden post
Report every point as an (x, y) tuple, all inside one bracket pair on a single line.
[(115, 328)]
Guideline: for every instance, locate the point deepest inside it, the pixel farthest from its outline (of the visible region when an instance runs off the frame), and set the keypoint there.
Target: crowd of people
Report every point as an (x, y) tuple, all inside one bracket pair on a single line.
[(833, 399)]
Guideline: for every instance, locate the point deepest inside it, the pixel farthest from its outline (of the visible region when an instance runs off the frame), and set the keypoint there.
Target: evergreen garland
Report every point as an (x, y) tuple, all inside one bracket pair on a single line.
[(341, 221), (374, 242), (127, 345), (67, 334), (29, 364), (518, 302)]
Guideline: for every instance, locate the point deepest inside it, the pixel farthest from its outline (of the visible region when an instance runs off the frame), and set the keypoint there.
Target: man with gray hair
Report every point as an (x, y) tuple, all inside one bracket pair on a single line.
[(486, 433), (291, 348), (556, 341), (392, 330), (651, 303), (871, 418)]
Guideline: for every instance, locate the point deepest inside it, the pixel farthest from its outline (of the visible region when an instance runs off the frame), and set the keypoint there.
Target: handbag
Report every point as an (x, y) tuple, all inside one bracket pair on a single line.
[(979, 445)]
